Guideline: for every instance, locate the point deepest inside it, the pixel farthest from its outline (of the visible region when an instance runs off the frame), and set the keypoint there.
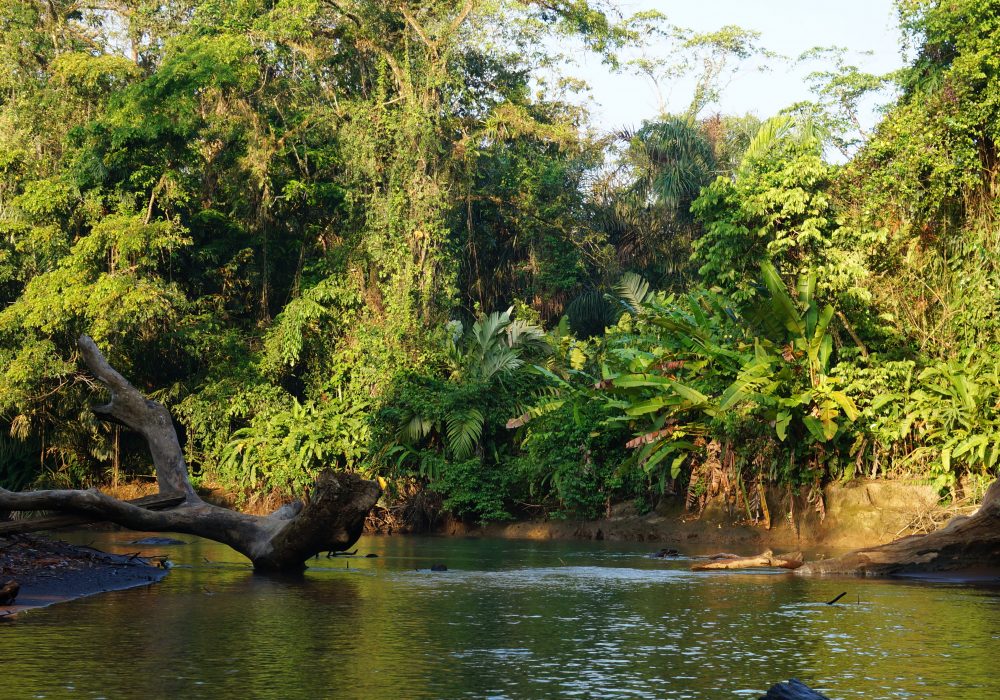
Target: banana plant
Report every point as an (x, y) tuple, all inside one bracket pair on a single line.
[(819, 406), (664, 374), (955, 411)]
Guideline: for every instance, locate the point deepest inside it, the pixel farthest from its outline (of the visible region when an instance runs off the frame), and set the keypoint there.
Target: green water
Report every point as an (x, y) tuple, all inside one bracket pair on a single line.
[(510, 619)]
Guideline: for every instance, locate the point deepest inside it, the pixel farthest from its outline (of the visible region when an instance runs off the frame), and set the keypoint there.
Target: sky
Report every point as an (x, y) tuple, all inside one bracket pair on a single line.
[(787, 27)]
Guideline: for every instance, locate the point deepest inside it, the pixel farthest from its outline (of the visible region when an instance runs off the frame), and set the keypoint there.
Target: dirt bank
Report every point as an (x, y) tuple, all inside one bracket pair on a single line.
[(853, 515), (50, 571)]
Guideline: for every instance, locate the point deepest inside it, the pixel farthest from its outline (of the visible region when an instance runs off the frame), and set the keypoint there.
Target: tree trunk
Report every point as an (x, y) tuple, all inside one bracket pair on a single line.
[(330, 519), (966, 543)]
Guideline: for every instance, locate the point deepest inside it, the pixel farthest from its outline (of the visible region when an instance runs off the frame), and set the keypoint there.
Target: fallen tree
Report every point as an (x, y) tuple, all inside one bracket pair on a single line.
[(330, 518)]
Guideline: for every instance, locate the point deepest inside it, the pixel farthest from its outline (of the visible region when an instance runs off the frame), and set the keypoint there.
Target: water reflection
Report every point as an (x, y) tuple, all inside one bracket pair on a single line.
[(508, 620)]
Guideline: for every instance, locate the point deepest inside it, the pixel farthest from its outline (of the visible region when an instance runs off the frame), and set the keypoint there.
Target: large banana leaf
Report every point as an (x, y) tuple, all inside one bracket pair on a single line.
[(783, 306)]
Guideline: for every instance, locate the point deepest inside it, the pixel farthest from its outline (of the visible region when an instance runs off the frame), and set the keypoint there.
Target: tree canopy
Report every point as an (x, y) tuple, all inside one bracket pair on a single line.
[(384, 237)]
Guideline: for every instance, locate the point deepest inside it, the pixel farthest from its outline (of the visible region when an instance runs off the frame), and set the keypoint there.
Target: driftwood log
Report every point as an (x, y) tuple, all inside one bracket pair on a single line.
[(331, 519), (766, 559)]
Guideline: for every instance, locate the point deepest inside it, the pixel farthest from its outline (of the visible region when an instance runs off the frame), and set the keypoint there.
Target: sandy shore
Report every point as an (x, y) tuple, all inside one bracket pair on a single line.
[(51, 571)]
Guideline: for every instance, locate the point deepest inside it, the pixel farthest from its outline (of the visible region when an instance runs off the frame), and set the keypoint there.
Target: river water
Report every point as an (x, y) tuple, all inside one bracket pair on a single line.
[(509, 619)]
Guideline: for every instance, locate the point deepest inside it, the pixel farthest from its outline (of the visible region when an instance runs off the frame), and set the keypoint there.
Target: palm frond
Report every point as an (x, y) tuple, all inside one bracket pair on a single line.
[(415, 429), (590, 313), (526, 336), (464, 430), (633, 290), (501, 361), (780, 128)]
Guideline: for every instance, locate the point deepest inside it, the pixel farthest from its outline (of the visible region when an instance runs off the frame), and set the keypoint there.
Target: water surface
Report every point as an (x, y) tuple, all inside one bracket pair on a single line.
[(509, 619)]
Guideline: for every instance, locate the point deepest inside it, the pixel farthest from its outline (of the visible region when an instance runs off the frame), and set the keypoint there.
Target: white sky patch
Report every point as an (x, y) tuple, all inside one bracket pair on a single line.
[(787, 27)]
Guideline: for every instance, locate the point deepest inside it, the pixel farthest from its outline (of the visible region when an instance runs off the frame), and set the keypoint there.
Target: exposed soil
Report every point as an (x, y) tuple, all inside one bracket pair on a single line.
[(854, 515), (51, 571)]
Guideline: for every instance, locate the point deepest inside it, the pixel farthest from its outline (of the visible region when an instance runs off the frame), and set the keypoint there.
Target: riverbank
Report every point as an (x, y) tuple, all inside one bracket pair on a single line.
[(51, 571), (852, 515)]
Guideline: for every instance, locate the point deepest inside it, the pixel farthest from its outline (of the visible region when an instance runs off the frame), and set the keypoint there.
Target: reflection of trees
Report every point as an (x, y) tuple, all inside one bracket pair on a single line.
[(512, 618)]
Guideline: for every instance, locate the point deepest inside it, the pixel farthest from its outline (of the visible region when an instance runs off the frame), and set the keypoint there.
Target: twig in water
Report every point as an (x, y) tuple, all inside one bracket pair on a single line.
[(837, 598)]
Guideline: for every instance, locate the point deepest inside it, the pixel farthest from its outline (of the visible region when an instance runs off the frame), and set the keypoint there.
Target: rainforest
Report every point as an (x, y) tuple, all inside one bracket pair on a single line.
[(386, 238)]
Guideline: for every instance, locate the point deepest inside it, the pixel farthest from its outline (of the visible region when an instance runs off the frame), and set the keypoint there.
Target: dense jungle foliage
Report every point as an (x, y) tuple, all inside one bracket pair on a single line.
[(383, 237)]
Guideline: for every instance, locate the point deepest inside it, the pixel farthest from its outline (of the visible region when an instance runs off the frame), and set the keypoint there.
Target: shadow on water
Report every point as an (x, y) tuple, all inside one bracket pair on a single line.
[(508, 619)]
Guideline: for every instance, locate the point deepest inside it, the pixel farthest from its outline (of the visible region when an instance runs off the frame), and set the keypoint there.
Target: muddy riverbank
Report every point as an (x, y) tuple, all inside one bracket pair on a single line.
[(852, 515), (51, 571)]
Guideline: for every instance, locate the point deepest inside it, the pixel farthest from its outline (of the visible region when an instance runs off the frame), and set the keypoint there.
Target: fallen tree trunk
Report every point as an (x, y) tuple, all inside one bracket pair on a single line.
[(54, 522), (965, 543), (331, 518), (764, 560)]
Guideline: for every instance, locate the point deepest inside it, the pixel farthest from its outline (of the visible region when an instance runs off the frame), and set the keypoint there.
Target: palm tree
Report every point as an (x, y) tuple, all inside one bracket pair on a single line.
[(490, 354), (647, 219), (673, 160)]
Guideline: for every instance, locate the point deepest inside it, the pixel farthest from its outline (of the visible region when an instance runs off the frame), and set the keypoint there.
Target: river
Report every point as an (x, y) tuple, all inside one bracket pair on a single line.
[(509, 619)]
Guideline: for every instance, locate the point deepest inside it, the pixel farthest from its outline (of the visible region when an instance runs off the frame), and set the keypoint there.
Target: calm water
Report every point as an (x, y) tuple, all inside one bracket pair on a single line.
[(510, 619)]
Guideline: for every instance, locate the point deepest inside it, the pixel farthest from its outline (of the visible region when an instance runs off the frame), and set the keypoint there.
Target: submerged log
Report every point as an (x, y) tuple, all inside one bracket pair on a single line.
[(965, 543), (331, 519), (764, 560), (794, 689)]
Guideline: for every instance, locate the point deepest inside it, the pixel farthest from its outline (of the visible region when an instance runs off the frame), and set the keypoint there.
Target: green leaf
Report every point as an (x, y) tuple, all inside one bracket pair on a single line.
[(783, 305), (675, 466), (883, 399), (632, 381), (815, 427), (847, 404), (781, 424), (649, 406), (693, 395)]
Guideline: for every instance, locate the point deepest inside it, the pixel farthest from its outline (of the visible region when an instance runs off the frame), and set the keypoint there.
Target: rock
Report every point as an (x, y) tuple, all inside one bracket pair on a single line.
[(792, 690), (438, 567), (665, 553), (371, 555), (8, 592)]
